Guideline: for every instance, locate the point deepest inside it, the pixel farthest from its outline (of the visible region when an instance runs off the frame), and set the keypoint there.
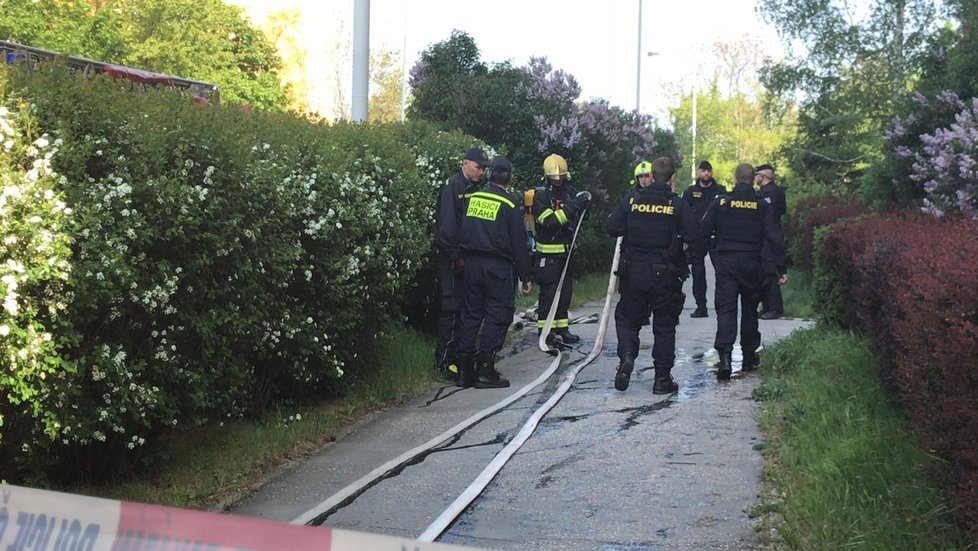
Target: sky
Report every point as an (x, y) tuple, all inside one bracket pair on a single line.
[(596, 42)]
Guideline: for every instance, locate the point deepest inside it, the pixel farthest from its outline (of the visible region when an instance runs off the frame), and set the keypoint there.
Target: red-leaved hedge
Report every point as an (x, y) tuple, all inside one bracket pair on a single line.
[(912, 284), (810, 214)]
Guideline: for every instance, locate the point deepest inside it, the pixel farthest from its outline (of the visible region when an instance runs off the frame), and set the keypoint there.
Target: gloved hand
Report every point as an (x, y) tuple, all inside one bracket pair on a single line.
[(582, 201), (458, 265)]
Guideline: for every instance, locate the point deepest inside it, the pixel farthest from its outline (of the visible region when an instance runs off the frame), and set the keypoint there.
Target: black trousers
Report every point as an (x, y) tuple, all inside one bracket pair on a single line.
[(489, 302), (772, 301), (649, 289), (697, 256), (449, 314), (740, 279), (547, 277)]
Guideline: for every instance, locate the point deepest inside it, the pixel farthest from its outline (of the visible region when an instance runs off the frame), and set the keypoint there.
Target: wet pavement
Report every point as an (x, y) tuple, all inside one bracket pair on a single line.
[(605, 470)]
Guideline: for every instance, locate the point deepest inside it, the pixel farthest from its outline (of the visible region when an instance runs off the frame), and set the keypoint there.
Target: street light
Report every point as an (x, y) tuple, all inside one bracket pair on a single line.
[(638, 68), (651, 54), (692, 163)]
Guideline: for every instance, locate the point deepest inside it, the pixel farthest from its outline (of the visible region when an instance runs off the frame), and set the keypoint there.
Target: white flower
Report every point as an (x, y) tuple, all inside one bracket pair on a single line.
[(10, 304), (4, 330)]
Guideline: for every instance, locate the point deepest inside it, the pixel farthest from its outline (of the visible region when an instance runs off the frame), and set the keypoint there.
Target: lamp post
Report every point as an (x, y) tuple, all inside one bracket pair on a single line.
[(692, 164), (638, 68)]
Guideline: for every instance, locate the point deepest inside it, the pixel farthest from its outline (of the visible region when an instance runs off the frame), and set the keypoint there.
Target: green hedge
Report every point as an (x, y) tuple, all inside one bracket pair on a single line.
[(220, 262)]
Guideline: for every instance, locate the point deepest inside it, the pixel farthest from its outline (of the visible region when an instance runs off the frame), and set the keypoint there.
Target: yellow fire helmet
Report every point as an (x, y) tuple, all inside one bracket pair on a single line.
[(643, 167), (555, 166)]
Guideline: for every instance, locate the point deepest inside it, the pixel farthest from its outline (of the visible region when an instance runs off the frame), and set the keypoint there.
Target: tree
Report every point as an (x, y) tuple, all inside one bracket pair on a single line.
[(730, 130), (913, 141), (280, 28), (854, 64), (76, 28), (385, 87), (532, 111), (441, 81), (204, 40)]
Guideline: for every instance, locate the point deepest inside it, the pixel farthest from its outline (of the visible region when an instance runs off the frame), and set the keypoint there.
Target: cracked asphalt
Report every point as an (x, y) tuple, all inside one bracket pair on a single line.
[(604, 470)]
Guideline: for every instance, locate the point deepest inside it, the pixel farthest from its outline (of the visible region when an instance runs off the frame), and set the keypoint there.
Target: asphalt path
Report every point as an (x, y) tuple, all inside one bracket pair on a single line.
[(604, 470)]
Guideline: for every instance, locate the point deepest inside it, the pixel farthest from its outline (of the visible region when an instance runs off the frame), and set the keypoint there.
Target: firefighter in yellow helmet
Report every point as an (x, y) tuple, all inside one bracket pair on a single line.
[(556, 209)]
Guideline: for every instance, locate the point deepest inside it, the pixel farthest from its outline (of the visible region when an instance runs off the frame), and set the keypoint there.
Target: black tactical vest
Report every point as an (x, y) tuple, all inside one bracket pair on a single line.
[(740, 226), (651, 219)]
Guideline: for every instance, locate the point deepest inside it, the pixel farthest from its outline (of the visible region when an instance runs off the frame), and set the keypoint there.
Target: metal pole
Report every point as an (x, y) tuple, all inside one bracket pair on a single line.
[(692, 165), (361, 60), (404, 65), (404, 74), (638, 69)]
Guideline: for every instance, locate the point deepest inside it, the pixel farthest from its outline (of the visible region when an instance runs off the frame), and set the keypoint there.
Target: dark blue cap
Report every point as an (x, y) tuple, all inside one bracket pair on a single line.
[(501, 164), (477, 155)]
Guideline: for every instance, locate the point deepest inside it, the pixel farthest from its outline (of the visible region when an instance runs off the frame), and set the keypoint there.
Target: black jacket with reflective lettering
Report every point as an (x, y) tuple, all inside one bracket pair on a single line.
[(645, 231), (743, 222), (492, 225)]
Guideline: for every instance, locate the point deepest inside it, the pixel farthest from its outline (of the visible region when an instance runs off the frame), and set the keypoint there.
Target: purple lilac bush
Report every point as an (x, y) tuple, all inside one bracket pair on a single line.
[(942, 156)]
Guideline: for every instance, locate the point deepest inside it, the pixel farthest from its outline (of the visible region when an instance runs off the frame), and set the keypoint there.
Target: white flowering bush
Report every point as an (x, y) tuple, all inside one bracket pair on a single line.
[(34, 268), (221, 261)]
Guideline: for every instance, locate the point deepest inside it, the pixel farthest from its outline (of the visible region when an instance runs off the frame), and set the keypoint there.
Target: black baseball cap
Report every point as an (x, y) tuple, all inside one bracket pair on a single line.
[(501, 164), (705, 165), (477, 155), (764, 167)]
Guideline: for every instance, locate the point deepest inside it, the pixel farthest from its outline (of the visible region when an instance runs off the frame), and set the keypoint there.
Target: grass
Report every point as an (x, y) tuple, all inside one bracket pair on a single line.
[(841, 469), (797, 295), (211, 467)]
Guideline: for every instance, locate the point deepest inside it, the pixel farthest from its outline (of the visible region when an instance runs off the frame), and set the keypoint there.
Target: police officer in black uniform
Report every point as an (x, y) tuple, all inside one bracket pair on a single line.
[(744, 225), (449, 261), (772, 306), (699, 196), (650, 219), (493, 243), (556, 209)]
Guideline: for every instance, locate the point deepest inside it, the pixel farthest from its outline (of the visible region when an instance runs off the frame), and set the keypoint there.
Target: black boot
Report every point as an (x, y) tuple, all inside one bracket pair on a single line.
[(568, 337), (466, 373), (700, 312), (486, 375), (624, 374), (751, 361), (664, 384), (725, 367), (555, 341)]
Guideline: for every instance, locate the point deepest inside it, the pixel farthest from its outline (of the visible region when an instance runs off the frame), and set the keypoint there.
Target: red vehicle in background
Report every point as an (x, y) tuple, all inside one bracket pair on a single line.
[(203, 93)]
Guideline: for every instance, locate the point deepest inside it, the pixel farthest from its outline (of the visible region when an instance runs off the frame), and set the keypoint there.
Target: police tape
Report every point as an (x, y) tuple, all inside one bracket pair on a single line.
[(42, 520)]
